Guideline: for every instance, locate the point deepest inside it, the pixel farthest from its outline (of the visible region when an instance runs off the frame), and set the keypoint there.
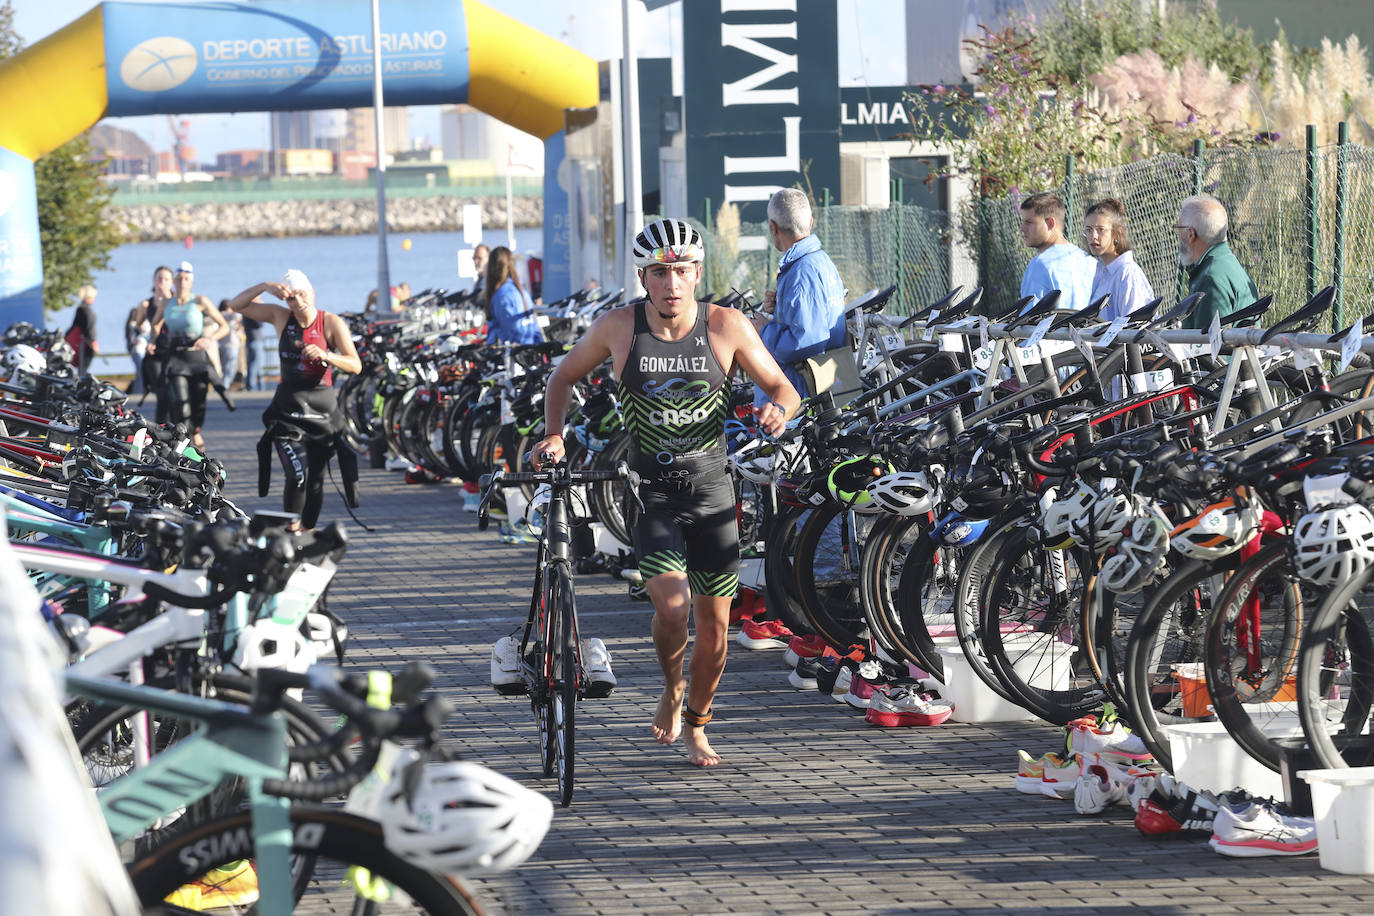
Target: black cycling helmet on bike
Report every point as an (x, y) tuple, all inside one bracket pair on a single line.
[(668, 241)]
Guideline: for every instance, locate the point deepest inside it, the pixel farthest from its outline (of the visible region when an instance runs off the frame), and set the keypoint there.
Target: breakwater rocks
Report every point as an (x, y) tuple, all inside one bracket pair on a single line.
[(282, 218)]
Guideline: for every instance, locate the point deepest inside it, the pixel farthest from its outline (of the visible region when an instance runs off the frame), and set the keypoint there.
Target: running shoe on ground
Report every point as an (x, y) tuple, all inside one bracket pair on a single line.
[(1261, 830), (1191, 813), (233, 885), (505, 667), (1030, 771), (1060, 777), (801, 647), (472, 501), (869, 678), (763, 634), (905, 705), (806, 675), (398, 464), (839, 688), (596, 661), (1103, 783), (1115, 738)]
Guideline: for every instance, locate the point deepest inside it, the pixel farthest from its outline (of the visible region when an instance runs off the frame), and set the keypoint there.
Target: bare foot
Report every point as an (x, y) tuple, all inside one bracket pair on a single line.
[(668, 719), (699, 752)]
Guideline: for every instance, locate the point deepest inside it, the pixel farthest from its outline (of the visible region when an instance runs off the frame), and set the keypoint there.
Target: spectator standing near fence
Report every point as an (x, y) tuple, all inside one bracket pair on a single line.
[(1058, 263), (1118, 275), (805, 315), (81, 335), (1212, 267)]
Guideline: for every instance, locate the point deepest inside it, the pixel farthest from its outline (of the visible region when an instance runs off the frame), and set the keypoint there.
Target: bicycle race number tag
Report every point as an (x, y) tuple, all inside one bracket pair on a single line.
[(1214, 336), (1350, 344), (895, 342), (1303, 358), (1039, 333), (1113, 329), (930, 330)]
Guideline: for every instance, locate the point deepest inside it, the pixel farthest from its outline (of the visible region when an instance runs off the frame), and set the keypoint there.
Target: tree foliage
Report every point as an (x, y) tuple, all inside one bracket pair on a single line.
[(1079, 39), (76, 235), (75, 230)]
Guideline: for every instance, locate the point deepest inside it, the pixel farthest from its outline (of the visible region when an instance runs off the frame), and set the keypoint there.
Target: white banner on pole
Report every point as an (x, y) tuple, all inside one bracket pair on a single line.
[(472, 224)]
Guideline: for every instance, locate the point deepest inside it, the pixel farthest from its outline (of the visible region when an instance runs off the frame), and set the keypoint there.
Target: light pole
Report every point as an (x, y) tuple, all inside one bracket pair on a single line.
[(383, 271)]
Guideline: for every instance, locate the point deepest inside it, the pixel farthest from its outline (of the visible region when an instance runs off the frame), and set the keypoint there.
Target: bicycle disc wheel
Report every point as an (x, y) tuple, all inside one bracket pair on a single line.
[(563, 699), (206, 868)]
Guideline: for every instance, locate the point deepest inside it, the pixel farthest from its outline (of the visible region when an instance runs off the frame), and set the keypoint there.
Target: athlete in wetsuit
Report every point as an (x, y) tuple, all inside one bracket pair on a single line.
[(304, 420), (671, 355)]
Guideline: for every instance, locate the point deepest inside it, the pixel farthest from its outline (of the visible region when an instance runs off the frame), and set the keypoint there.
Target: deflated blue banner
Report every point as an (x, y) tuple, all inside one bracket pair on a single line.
[(268, 56)]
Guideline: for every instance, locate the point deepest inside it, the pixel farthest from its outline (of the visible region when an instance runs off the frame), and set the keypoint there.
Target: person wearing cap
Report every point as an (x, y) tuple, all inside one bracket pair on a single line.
[(186, 328), (672, 357), (304, 422)]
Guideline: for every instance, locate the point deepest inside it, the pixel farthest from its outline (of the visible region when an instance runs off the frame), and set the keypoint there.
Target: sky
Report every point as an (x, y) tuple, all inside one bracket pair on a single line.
[(871, 52)]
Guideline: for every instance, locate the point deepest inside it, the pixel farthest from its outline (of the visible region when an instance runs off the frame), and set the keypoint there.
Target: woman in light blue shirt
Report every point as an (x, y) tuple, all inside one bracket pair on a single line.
[(510, 318), (1118, 275)]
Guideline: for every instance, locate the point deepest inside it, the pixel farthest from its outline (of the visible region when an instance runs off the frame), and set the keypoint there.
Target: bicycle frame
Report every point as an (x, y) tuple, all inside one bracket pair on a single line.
[(229, 741)]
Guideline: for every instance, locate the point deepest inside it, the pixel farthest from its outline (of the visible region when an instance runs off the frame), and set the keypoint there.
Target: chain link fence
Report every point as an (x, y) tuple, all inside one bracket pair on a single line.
[(1300, 220)]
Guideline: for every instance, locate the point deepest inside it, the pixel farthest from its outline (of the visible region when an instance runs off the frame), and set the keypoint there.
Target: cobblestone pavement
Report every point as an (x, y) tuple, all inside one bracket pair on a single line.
[(814, 811)]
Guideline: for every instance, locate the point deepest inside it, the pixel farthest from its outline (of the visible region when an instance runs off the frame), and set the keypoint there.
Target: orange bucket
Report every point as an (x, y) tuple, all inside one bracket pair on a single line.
[(1192, 688)]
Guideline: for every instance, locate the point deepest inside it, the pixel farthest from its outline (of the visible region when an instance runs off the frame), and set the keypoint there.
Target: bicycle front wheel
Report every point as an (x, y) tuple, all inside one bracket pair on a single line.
[(213, 867), (563, 697)]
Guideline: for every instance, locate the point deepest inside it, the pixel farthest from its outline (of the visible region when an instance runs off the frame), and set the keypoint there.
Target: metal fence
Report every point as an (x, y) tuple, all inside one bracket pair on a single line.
[(903, 245), (1301, 219)]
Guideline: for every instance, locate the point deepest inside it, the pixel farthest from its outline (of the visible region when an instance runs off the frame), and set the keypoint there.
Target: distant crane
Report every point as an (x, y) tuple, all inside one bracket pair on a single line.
[(182, 151)]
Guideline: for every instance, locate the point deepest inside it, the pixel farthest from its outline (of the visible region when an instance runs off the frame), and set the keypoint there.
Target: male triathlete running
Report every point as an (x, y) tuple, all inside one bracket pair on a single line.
[(673, 356)]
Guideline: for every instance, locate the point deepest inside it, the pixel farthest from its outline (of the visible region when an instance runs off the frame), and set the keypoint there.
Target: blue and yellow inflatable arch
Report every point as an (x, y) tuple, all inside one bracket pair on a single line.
[(123, 59)]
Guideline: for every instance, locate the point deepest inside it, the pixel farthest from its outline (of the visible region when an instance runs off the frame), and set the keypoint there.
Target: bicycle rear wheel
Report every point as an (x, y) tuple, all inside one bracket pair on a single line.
[(1336, 676), (204, 868)]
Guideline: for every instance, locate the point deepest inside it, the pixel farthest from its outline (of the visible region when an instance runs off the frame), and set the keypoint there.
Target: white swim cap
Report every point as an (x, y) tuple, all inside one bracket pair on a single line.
[(296, 279)]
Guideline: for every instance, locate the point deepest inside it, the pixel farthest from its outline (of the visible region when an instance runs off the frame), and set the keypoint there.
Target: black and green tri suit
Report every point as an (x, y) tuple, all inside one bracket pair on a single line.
[(675, 397)]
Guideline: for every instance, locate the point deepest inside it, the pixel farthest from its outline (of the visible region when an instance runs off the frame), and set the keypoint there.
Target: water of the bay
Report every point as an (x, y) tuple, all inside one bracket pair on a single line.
[(342, 268)]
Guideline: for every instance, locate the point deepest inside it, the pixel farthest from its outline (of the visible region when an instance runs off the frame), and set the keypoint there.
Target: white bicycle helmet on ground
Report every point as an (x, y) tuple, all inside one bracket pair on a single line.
[(905, 493), (1138, 556), (460, 818), (1217, 531), (1335, 544)]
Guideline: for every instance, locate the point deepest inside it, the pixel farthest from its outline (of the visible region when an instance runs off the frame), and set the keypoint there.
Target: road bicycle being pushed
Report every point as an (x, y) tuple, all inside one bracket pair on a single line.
[(552, 658)]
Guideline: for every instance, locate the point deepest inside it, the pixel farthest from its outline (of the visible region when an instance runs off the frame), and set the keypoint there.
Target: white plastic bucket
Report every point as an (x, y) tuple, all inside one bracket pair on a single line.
[(1039, 659), (1207, 757), (1343, 805), (973, 700)]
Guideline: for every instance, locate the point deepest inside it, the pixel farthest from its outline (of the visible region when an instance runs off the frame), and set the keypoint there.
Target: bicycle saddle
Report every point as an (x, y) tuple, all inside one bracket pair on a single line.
[(1305, 318)]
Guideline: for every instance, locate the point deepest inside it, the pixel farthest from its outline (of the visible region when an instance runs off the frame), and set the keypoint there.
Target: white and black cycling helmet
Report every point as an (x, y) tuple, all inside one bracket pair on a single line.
[(904, 493), (1057, 522), (668, 241), (1334, 545), (460, 818), (25, 357), (269, 643), (1138, 556)]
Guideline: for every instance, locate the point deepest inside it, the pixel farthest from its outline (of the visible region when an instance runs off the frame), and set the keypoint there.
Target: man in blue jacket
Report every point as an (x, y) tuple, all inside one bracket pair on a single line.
[(808, 306)]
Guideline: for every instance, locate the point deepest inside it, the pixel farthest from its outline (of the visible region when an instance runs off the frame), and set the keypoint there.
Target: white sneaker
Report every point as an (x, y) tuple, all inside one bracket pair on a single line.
[(1116, 740), (596, 661), (1261, 831), (397, 464), (505, 667), (1103, 783)]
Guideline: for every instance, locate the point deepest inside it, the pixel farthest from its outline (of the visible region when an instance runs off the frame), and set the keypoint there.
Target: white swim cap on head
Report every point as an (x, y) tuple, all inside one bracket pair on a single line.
[(185, 268), (296, 279)]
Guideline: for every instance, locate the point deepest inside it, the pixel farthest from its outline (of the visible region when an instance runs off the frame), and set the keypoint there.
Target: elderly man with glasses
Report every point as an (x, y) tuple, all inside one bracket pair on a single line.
[(1212, 268)]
